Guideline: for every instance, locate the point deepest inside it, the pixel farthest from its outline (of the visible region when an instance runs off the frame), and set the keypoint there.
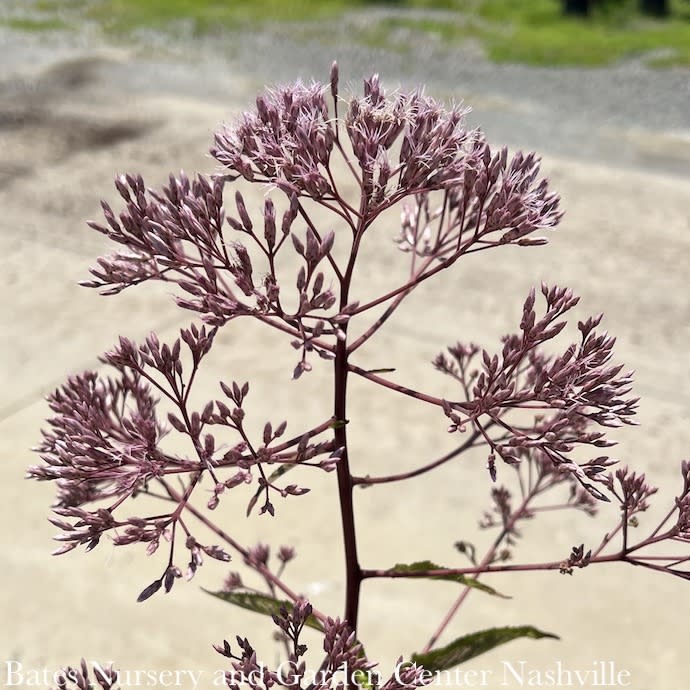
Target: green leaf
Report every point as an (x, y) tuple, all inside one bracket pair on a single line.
[(421, 566), (262, 603), (477, 643)]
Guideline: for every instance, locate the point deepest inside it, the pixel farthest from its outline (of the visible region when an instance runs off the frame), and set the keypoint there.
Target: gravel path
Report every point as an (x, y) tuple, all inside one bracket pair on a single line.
[(627, 115)]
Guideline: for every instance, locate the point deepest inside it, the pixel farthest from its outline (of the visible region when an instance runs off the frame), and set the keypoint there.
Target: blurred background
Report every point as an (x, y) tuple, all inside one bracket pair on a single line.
[(90, 89)]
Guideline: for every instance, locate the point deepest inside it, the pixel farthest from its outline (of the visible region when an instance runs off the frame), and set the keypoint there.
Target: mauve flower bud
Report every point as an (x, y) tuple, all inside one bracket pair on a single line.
[(298, 370), (297, 244), (121, 186), (322, 147), (301, 279), (242, 210), (326, 244), (260, 553), (268, 433), (270, 223), (334, 79), (312, 254), (286, 553), (262, 109), (232, 581), (150, 590)]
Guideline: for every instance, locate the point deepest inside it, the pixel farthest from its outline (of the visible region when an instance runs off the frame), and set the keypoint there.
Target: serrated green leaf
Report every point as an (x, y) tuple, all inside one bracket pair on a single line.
[(421, 566), (262, 603), (470, 646)]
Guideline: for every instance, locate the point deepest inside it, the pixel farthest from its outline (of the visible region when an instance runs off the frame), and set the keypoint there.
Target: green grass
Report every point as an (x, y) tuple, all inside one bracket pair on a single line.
[(535, 32), (388, 32), (597, 45), (528, 31), (30, 24), (204, 16)]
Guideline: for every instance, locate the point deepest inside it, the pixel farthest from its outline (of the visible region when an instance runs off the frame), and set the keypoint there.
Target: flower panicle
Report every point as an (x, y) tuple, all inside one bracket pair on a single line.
[(632, 490), (574, 393), (287, 140), (106, 445)]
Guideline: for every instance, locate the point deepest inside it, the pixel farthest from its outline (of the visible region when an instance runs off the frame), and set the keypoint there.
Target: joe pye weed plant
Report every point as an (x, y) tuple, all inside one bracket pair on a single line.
[(537, 406)]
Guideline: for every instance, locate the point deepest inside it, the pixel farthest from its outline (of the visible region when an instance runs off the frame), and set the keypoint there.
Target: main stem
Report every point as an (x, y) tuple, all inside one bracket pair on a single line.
[(353, 572)]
